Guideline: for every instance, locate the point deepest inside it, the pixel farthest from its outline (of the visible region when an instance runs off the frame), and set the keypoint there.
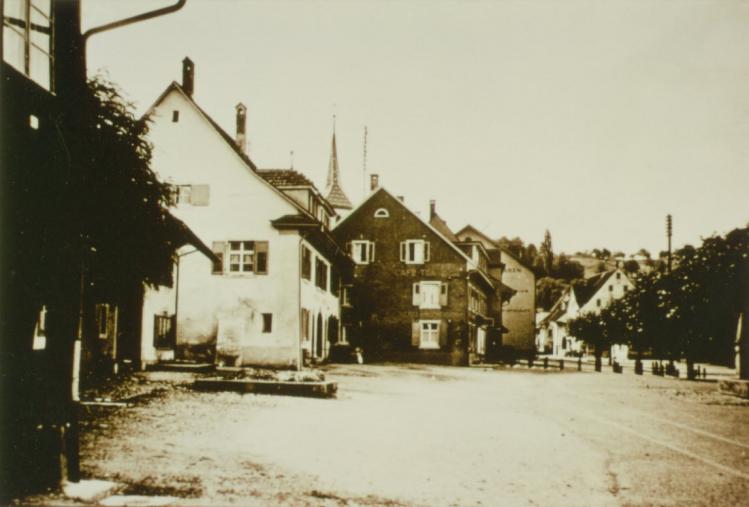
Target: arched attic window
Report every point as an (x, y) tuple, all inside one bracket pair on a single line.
[(382, 213)]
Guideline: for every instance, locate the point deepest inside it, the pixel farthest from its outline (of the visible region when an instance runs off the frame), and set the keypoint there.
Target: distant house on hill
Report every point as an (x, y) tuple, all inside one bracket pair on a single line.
[(591, 296), (271, 296), (519, 313), (419, 296)]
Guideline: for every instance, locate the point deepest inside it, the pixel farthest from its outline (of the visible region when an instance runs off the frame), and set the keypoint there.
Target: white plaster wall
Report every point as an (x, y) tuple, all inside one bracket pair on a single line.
[(319, 301), (241, 207), (607, 296), (519, 314), (159, 301)]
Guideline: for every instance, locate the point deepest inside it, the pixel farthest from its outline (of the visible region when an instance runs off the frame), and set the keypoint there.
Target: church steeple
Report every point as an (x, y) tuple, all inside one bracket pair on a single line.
[(333, 191)]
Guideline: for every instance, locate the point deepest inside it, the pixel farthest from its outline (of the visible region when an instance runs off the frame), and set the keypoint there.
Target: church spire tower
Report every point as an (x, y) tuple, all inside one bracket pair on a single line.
[(333, 191)]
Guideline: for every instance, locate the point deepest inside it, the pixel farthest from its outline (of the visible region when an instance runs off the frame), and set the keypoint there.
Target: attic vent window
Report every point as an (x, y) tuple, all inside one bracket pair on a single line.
[(175, 116), (382, 213)]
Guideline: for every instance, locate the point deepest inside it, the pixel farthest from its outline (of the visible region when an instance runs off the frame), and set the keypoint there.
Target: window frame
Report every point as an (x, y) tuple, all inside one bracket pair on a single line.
[(405, 251), (428, 344), (381, 213), (30, 10), (368, 249), (436, 287)]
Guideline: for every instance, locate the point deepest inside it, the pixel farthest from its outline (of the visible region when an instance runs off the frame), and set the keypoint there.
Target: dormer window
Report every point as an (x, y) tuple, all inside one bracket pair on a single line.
[(382, 213)]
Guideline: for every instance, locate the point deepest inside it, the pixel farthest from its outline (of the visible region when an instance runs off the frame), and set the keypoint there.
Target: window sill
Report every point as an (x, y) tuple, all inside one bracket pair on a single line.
[(428, 346), (422, 307)]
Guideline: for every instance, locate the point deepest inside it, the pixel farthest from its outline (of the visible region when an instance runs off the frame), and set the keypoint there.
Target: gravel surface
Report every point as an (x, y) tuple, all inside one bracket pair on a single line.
[(423, 435)]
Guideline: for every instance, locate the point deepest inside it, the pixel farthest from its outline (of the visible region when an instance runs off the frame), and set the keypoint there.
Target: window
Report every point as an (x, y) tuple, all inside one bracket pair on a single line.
[(197, 195), (611, 288), (40, 338), (335, 281), (382, 213), (175, 116), (346, 296), (429, 337), (321, 274), (598, 302), (267, 322), (243, 257), (363, 252), (429, 295), (106, 320), (27, 39), (626, 288), (414, 251), (306, 263), (618, 276)]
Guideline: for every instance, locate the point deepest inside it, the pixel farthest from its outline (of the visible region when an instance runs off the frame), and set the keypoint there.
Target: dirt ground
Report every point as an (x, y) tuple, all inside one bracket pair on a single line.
[(423, 435)]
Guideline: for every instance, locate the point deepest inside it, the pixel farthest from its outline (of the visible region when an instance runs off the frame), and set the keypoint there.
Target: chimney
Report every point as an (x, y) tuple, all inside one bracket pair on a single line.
[(432, 207), (241, 138), (374, 182), (401, 198), (188, 76)]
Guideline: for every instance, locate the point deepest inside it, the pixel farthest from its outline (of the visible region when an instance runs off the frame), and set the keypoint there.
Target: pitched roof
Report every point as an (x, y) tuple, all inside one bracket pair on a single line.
[(333, 191), (438, 223), (588, 287), (285, 178), (472, 230)]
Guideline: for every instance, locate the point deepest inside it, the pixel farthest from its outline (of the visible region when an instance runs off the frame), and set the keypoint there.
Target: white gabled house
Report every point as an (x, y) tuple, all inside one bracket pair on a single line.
[(273, 292), (591, 296)]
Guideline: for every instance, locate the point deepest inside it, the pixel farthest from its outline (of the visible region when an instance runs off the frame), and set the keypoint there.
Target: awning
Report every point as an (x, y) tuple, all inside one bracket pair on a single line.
[(183, 235)]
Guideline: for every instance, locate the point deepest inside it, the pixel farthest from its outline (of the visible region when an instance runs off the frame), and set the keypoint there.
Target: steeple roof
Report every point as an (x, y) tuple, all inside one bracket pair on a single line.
[(333, 191)]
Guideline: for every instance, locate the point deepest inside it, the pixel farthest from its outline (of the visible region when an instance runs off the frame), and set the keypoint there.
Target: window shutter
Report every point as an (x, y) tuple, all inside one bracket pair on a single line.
[(415, 333), (443, 294), (416, 296), (403, 251), (200, 195), (261, 257), (443, 334), (371, 251), (426, 251), (218, 248)]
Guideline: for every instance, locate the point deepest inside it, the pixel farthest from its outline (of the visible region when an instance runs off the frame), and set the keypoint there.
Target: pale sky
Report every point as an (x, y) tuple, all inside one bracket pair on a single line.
[(593, 119)]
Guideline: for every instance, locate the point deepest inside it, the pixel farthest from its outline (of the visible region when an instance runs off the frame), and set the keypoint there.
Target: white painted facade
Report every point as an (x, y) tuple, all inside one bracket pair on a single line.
[(229, 310), (567, 308)]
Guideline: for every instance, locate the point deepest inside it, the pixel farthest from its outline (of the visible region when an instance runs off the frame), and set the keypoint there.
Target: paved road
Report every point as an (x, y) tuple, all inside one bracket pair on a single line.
[(437, 436)]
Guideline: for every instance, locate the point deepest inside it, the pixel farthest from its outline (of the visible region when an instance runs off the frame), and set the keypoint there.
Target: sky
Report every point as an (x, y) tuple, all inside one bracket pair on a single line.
[(592, 119)]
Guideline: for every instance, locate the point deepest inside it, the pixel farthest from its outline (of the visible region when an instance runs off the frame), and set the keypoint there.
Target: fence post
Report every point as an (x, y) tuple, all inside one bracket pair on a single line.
[(546, 363), (561, 364), (580, 363)]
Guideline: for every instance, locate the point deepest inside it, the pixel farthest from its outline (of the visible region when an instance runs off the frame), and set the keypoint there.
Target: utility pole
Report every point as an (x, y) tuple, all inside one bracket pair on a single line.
[(669, 232)]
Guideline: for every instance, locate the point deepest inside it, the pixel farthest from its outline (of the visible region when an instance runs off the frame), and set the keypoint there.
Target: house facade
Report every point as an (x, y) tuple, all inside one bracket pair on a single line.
[(272, 296), (417, 296), (519, 313), (591, 296)]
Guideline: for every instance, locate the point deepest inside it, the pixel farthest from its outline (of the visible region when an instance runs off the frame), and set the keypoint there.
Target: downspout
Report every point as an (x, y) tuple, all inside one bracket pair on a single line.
[(300, 357)]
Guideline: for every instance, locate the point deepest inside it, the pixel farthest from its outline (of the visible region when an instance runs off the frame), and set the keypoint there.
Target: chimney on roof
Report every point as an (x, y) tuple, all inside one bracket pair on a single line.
[(432, 208), (374, 182), (401, 198), (188, 76), (241, 138)]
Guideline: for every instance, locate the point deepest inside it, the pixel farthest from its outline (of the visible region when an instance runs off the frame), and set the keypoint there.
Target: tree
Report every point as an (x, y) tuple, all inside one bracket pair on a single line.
[(548, 291), (631, 266), (567, 269), (546, 252), (643, 252), (591, 329)]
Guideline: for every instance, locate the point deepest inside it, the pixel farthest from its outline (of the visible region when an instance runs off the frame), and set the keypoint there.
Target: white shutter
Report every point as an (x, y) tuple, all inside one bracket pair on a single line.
[(371, 251), (426, 251), (416, 295)]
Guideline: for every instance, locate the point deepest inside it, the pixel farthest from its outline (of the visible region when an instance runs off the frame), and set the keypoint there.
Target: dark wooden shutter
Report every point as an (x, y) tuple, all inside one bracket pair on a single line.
[(261, 257), (443, 333), (415, 333), (443, 294), (403, 251), (218, 248), (200, 195)]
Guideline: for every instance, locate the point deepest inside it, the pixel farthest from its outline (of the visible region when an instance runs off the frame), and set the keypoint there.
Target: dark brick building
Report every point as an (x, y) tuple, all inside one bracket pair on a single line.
[(415, 295)]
